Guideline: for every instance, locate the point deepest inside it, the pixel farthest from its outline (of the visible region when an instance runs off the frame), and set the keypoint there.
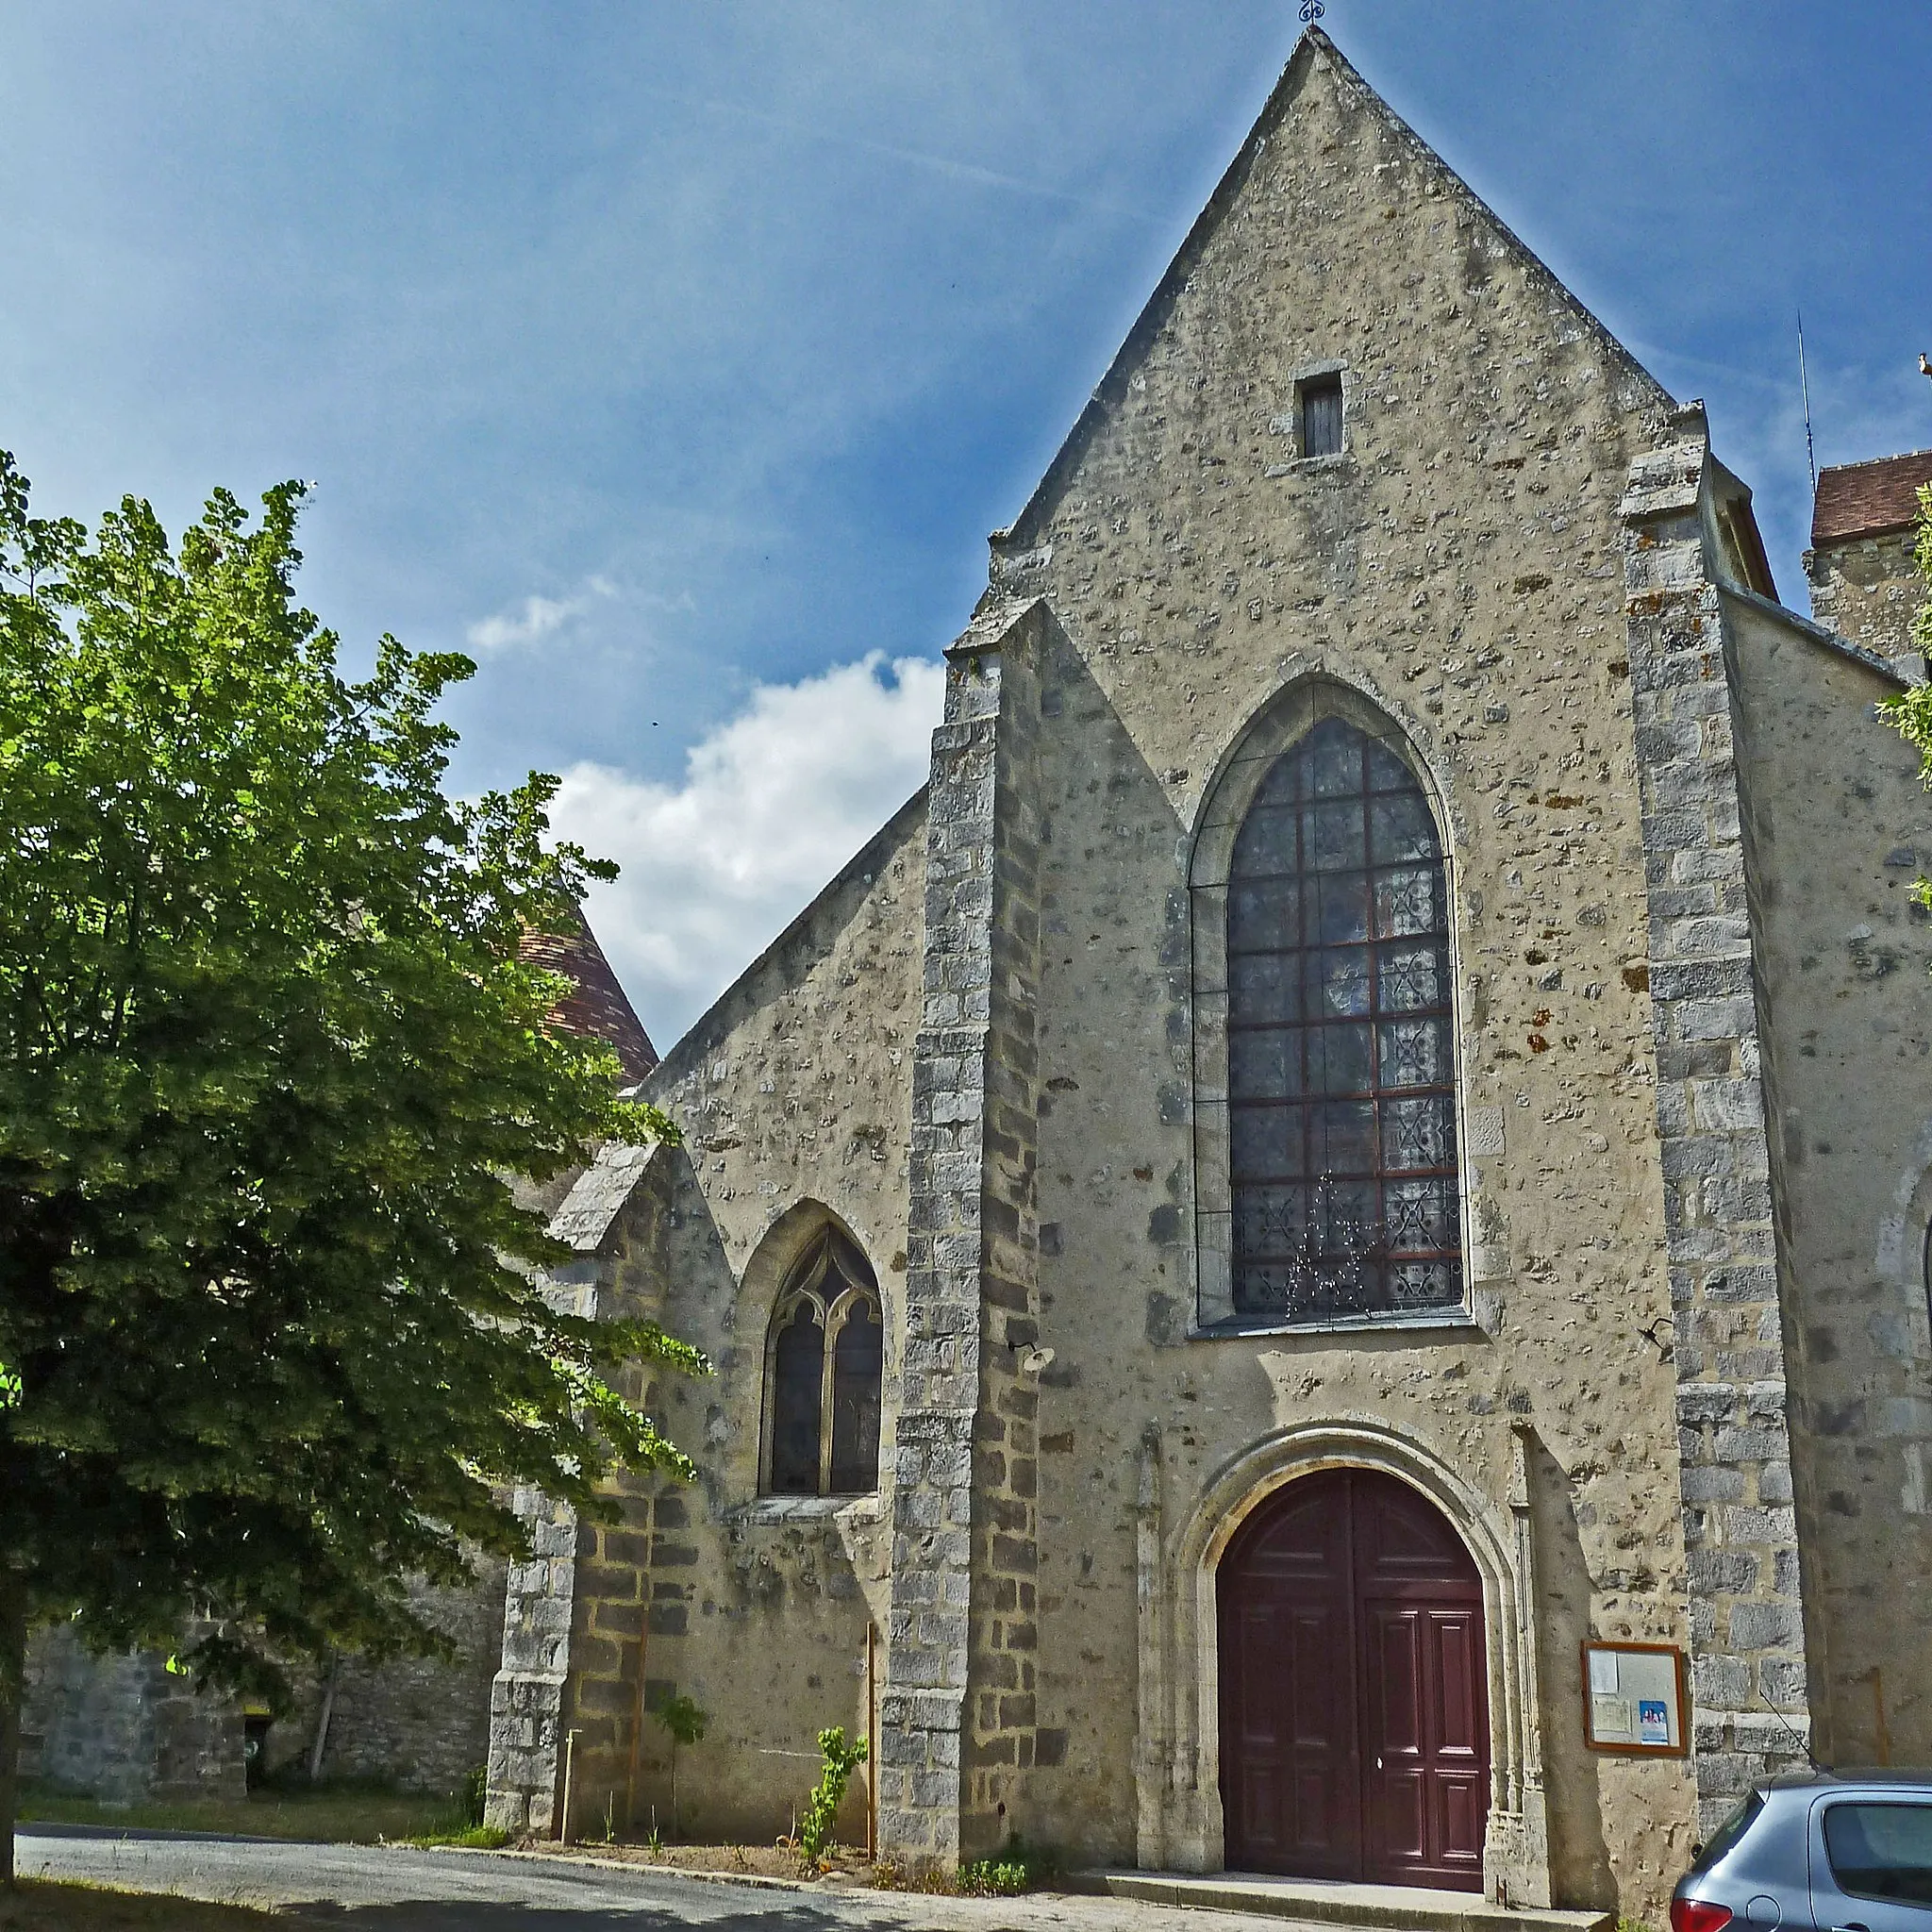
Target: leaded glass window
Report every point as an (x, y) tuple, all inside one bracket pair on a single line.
[(823, 1401), (1341, 1079)]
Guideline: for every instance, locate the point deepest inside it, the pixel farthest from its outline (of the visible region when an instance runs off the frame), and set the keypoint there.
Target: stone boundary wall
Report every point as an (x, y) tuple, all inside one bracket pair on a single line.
[(120, 1727), (1749, 1681), (422, 1722)]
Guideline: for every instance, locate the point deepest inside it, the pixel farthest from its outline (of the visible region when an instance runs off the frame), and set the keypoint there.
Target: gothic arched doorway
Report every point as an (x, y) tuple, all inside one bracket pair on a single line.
[(1355, 1733)]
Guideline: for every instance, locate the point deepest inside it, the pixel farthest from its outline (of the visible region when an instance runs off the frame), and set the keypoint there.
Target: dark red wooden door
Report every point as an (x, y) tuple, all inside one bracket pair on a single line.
[(1290, 1729), (1354, 1695)]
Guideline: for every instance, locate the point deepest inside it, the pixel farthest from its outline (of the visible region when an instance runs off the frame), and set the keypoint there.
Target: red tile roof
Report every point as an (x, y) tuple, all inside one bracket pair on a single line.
[(1868, 499), (598, 1007)]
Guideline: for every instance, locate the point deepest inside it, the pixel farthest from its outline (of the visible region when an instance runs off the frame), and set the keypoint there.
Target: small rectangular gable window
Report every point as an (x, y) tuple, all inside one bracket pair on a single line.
[(1321, 397)]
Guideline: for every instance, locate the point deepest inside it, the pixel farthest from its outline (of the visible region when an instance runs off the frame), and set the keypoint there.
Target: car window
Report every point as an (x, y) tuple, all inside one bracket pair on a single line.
[(1729, 1832), (1881, 1851)]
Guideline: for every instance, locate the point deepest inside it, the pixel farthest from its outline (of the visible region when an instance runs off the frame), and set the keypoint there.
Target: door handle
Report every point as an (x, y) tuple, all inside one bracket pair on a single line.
[(1853, 1925)]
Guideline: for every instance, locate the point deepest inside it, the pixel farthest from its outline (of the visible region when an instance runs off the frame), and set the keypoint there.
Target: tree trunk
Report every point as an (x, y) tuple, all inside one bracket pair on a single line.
[(328, 1705), (12, 1692)]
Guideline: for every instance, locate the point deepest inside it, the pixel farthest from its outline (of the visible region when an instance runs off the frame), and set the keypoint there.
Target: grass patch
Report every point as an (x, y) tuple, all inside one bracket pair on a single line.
[(1019, 1868), (43, 1906), (475, 1838), (326, 1815)]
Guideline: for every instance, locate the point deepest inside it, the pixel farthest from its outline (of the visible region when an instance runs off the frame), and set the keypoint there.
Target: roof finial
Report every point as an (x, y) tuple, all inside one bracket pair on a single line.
[(1311, 11)]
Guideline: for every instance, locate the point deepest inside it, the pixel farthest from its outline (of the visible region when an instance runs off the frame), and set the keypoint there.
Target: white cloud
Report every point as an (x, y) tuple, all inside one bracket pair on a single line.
[(535, 618), (773, 803)]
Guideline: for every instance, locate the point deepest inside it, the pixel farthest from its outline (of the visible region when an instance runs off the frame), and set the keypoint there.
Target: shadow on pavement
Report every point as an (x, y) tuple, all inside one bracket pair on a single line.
[(115, 1834), (476, 1915)]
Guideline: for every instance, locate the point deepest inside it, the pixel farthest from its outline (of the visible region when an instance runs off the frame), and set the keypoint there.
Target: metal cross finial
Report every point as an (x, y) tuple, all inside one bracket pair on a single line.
[(1311, 11)]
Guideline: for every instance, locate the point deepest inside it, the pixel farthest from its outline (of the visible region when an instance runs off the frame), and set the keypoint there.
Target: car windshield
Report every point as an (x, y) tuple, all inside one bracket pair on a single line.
[(1729, 1832), (1881, 1851)]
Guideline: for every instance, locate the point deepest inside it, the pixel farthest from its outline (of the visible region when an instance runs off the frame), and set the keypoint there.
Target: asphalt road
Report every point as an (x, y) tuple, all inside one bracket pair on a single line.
[(390, 1889)]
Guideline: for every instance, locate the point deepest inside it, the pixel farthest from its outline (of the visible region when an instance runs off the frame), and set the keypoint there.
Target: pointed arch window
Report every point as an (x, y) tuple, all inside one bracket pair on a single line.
[(1342, 1077), (823, 1364)]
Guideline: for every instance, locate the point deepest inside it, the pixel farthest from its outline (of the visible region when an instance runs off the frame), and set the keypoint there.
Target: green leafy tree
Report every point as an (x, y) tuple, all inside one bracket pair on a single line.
[(1911, 710), (271, 1315)]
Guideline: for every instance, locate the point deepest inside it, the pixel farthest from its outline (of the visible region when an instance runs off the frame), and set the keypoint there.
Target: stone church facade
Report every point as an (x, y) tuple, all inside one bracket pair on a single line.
[(1367, 1130), (1378, 1098)]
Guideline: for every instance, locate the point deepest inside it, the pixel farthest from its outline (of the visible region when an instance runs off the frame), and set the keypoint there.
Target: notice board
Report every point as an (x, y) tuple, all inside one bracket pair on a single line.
[(1634, 1699)]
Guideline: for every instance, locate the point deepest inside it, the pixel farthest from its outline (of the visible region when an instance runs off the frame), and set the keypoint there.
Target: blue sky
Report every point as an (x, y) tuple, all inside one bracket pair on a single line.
[(676, 359)]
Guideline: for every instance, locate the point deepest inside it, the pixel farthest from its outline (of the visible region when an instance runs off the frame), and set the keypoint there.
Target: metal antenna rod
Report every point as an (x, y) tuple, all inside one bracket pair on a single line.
[(1804, 384), (1790, 1730)]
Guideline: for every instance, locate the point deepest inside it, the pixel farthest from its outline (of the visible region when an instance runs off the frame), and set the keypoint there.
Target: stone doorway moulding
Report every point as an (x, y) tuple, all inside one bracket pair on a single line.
[(1178, 1754)]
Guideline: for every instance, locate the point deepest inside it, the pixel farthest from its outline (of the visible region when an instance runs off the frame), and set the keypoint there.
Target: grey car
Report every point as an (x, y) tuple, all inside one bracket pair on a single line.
[(1817, 1852)]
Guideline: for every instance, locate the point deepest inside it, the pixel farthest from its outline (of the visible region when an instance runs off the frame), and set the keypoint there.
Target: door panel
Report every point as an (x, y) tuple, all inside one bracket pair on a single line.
[(1465, 1810), (1396, 1690), (1402, 1827), (1314, 1813), (1261, 1812), (1289, 1726), (1458, 1643), (1353, 1692), (1257, 1714)]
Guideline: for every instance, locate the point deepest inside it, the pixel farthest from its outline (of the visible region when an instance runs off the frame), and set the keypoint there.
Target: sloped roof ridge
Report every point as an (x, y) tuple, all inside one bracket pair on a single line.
[(711, 1022), (1311, 45), (1814, 632), (597, 1196), (1904, 455)]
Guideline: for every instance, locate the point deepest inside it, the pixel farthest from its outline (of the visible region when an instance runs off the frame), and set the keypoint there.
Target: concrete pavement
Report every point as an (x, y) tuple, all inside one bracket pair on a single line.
[(392, 1888)]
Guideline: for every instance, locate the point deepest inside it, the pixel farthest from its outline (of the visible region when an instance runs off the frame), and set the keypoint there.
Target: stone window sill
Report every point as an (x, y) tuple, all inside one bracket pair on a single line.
[(1446, 1323), (1310, 466), (804, 1509)]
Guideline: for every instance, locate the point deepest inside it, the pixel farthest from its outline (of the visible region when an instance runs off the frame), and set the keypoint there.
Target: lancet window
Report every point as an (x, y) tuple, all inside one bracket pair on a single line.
[(1341, 1076), (824, 1366)]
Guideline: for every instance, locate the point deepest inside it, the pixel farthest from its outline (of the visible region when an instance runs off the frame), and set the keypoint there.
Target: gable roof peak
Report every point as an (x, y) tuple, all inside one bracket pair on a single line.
[(1314, 52)]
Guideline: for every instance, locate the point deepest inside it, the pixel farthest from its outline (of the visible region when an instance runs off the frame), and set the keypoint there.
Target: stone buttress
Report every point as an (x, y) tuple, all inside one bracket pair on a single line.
[(1749, 1680), (957, 1720), (569, 1628)]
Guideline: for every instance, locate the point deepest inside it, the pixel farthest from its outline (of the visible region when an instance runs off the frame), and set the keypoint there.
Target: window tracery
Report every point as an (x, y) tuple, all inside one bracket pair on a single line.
[(1341, 1081), (824, 1362)]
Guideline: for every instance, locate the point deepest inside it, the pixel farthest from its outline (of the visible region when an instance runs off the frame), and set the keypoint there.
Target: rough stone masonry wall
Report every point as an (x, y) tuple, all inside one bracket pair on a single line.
[(1749, 1688), (524, 1785), (1838, 828), (1868, 590), (794, 1095), (1461, 564), (121, 1727), (753, 1607), (420, 1723)]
